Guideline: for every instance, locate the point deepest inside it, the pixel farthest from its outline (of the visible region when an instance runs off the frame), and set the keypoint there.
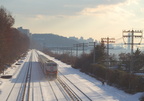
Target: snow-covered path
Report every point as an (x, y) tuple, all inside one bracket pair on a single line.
[(40, 89)]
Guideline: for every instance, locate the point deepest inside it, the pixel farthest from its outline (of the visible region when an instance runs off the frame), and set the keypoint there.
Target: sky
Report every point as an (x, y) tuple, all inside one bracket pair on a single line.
[(88, 18)]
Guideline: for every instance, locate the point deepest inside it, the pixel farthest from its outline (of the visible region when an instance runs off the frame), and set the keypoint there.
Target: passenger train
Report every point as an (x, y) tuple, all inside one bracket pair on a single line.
[(49, 67)]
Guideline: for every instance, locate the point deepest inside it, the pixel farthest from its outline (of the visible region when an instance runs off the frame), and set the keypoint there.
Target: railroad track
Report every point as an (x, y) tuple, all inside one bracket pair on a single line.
[(40, 86), (21, 84), (27, 91), (62, 89), (65, 94), (50, 84), (24, 91), (70, 93), (77, 91)]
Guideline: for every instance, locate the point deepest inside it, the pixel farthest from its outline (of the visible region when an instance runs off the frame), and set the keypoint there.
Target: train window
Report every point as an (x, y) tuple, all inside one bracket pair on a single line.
[(54, 65), (48, 64)]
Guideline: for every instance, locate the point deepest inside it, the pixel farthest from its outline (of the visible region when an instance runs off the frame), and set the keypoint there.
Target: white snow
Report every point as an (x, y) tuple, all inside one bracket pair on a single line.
[(89, 85)]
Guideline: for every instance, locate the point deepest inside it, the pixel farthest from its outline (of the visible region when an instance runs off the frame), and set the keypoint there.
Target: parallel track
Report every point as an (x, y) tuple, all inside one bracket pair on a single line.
[(26, 88), (69, 91), (13, 88), (75, 87), (40, 85), (47, 80), (22, 89)]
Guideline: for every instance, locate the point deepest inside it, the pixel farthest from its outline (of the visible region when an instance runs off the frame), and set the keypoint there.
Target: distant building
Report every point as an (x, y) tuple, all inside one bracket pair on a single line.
[(90, 40), (74, 38), (24, 31), (81, 39)]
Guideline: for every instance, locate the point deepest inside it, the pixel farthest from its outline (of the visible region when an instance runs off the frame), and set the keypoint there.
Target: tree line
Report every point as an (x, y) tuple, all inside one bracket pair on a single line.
[(13, 44)]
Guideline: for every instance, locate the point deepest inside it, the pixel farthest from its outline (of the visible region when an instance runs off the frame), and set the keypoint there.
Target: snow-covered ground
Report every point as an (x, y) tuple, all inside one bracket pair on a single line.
[(89, 85)]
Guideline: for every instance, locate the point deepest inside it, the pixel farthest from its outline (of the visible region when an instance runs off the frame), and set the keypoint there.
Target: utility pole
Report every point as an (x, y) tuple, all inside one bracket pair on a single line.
[(132, 34), (83, 46), (79, 45), (71, 51), (108, 41), (76, 45), (94, 54), (43, 46)]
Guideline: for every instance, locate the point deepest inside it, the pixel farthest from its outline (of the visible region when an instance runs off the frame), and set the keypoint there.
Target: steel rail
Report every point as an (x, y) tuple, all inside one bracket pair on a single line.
[(40, 85), (70, 92), (27, 81), (47, 80), (62, 90), (76, 87)]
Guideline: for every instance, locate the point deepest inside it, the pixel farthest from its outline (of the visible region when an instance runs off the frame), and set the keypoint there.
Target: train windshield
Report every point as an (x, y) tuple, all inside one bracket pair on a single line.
[(51, 64)]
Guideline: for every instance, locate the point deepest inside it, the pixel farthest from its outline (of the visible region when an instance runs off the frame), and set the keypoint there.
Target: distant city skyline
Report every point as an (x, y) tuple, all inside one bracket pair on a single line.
[(87, 18)]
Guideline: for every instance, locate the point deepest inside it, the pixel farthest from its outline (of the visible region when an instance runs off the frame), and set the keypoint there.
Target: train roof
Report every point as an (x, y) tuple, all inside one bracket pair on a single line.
[(45, 59)]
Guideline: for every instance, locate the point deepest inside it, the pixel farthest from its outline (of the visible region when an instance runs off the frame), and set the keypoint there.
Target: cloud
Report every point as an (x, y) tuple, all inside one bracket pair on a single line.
[(39, 17), (132, 2), (55, 7), (115, 12)]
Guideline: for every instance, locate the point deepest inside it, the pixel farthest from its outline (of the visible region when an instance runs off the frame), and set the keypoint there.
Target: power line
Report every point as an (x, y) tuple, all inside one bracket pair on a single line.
[(131, 35)]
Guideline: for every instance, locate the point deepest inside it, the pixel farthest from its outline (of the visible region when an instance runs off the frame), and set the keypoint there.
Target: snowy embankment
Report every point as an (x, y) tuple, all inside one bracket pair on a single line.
[(11, 70), (87, 83)]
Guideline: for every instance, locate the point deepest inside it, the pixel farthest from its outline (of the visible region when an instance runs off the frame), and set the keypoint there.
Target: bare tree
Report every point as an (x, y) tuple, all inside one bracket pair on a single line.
[(6, 19)]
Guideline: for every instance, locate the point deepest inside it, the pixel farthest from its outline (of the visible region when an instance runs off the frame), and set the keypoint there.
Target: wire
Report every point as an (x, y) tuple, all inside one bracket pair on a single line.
[(118, 39)]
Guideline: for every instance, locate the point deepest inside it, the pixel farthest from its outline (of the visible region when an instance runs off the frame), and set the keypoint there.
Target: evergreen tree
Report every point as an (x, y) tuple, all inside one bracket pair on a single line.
[(138, 60), (100, 54)]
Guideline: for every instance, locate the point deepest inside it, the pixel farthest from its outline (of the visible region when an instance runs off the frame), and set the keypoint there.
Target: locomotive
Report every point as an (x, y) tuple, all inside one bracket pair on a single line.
[(49, 67)]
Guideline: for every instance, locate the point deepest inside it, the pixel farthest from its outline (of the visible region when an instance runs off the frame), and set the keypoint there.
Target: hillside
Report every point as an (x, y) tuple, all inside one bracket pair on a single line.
[(52, 40)]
